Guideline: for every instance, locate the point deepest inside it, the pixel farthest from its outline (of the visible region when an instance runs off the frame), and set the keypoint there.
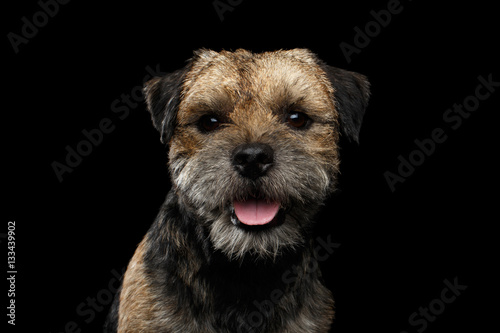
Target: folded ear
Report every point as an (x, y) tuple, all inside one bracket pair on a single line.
[(352, 92), (162, 96)]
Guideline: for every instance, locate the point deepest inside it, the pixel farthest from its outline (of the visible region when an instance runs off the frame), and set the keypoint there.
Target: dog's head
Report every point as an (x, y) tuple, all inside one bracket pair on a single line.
[(253, 141)]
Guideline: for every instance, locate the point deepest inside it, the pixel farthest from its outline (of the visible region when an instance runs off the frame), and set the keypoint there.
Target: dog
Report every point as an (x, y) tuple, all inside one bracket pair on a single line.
[(253, 154)]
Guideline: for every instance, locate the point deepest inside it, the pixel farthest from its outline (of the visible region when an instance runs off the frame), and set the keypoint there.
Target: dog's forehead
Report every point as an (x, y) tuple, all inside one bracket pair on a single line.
[(219, 81)]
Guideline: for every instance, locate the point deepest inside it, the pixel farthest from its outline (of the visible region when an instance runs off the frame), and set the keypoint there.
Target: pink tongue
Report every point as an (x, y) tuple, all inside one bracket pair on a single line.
[(255, 212)]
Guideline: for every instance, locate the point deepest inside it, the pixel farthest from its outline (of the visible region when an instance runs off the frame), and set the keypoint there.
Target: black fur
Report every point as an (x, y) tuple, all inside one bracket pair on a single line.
[(111, 324), (163, 98), (235, 309), (184, 269), (352, 92), (232, 304)]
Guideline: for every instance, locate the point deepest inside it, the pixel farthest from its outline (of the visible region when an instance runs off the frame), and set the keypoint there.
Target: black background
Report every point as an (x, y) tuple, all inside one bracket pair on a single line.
[(396, 248)]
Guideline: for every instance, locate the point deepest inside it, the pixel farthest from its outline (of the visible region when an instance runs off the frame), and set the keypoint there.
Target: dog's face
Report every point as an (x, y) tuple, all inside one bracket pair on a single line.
[(253, 142)]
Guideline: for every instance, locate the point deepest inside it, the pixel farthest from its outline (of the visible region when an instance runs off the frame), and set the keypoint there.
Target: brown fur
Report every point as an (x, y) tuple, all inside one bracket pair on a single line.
[(172, 282)]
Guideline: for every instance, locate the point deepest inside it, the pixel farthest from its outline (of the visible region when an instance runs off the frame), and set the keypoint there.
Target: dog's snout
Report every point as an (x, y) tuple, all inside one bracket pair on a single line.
[(253, 160)]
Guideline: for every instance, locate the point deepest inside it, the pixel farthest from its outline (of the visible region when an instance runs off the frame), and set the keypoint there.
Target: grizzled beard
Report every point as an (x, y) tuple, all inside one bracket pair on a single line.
[(207, 193), (243, 244)]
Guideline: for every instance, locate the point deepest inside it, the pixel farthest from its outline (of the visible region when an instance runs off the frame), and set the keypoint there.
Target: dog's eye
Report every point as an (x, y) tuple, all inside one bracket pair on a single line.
[(297, 120), (209, 123)]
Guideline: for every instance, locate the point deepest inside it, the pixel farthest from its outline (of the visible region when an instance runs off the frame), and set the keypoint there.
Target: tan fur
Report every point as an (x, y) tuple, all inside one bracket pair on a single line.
[(144, 309), (136, 300), (251, 94), (249, 90)]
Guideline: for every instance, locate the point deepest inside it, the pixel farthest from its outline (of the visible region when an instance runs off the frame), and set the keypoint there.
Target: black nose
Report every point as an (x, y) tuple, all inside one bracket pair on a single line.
[(253, 160)]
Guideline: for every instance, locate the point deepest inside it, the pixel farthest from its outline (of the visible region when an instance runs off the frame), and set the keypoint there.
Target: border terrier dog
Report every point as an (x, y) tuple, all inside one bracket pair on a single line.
[(253, 153)]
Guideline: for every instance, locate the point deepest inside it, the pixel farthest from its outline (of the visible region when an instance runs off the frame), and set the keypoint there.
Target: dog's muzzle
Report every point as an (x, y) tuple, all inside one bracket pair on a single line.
[(253, 161)]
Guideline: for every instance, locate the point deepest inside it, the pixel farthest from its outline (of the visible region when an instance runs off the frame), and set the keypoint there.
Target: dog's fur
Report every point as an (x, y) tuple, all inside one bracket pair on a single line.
[(196, 270)]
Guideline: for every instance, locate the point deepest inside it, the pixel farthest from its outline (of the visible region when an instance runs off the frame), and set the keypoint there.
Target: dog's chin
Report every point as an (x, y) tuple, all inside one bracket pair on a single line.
[(267, 241)]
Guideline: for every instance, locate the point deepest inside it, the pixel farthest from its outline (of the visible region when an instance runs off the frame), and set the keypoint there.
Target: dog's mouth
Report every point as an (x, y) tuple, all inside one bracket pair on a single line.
[(256, 213)]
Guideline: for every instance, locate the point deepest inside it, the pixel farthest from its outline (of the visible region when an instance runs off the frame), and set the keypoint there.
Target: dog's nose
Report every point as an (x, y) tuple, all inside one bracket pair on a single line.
[(253, 160)]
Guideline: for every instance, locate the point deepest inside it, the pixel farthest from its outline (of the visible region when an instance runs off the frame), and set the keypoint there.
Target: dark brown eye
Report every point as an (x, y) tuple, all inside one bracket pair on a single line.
[(209, 123), (297, 120)]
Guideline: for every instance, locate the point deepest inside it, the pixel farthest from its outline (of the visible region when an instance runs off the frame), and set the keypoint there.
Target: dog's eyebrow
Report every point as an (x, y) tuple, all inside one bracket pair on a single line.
[(207, 102), (292, 102), (295, 105)]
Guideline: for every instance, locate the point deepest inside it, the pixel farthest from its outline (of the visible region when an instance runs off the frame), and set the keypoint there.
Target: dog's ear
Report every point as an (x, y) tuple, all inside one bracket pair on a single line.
[(162, 95), (352, 92)]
